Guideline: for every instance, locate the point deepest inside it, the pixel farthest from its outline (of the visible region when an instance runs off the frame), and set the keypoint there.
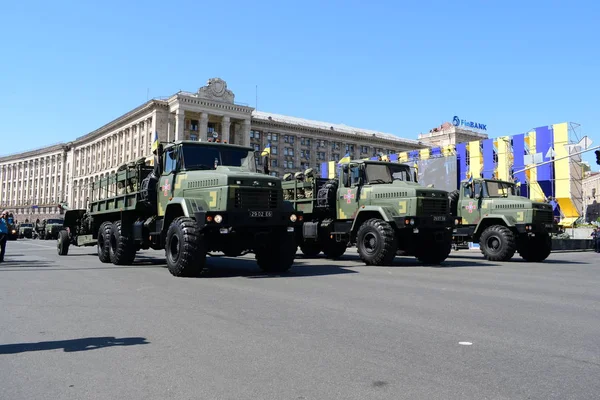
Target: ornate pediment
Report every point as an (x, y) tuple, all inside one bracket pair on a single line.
[(216, 89)]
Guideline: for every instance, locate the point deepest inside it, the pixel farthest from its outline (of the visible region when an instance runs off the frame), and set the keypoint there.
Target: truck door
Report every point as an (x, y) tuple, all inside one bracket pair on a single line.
[(166, 182), (348, 193), (471, 204)]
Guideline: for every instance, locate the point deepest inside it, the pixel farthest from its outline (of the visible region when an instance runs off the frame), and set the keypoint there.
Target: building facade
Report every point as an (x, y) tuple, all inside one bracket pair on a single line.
[(34, 183), (450, 135)]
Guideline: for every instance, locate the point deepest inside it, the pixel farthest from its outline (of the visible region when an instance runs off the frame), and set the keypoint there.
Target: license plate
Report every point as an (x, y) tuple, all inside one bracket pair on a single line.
[(261, 214), (439, 217)]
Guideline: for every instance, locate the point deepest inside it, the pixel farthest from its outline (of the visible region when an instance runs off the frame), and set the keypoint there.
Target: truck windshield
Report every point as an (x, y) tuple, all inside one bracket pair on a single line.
[(387, 173), (209, 157), (55, 221), (500, 189), (26, 225)]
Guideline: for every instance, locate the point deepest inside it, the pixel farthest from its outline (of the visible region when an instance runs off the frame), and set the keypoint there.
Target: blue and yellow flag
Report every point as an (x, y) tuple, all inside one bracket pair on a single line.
[(155, 142), (266, 151), (345, 159)]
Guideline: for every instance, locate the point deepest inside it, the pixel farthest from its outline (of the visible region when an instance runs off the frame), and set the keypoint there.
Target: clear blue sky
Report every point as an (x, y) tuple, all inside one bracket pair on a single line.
[(66, 68)]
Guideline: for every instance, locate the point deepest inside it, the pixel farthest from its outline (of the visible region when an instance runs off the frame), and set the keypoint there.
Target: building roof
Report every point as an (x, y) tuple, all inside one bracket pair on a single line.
[(285, 119)]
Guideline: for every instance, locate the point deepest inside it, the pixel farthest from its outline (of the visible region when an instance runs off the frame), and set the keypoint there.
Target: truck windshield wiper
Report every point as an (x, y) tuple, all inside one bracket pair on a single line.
[(199, 166), (377, 181)]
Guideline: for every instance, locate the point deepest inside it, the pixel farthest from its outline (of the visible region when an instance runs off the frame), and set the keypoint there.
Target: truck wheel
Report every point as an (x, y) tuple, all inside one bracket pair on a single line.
[(279, 256), (453, 202), (497, 243), (104, 242), (376, 242), (536, 248), (184, 248), (333, 249), (121, 247), (62, 244), (310, 249)]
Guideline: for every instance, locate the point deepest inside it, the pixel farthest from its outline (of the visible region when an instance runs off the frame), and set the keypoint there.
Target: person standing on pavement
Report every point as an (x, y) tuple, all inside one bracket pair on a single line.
[(3, 234), (596, 240)]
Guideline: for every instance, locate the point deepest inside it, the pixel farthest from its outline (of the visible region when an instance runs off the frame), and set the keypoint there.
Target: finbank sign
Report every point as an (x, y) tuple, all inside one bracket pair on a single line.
[(468, 124)]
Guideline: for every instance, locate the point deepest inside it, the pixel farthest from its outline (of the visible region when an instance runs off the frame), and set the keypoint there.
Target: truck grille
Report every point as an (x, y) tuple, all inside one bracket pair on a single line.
[(543, 217), (256, 198), (434, 207)]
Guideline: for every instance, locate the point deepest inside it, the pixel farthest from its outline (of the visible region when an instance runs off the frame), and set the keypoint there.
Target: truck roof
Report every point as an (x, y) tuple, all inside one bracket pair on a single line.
[(488, 180), (196, 143), (374, 162)]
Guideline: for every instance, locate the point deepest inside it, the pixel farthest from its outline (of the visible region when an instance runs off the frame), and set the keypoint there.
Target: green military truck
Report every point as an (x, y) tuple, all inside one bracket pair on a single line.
[(493, 214), (51, 227), (376, 205), (198, 198), (25, 230)]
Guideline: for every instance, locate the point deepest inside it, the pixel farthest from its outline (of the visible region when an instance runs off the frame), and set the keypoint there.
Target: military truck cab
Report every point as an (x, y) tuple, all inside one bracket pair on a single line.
[(378, 206), (493, 214), (196, 198)]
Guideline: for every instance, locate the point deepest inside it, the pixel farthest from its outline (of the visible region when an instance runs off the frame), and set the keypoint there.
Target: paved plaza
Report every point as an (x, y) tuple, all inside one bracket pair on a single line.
[(73, 328)]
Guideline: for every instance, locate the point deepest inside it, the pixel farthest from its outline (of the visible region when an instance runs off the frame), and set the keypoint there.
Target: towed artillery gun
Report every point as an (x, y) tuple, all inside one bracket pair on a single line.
[(377, 206), (197, 198), (493, 214)]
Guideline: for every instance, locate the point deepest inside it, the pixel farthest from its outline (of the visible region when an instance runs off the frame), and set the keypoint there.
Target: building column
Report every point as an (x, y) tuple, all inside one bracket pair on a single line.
[(179, 123), (246, 133), (203, 129), (225, 127)]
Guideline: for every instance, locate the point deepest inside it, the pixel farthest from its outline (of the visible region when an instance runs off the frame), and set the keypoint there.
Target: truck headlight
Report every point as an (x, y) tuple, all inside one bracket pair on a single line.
[(218, 218), (13, 231), (293, 218)]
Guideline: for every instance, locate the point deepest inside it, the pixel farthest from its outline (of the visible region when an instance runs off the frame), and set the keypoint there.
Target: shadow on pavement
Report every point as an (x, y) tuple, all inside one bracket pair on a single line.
[(217, 267), (72, 345), (412, 262)]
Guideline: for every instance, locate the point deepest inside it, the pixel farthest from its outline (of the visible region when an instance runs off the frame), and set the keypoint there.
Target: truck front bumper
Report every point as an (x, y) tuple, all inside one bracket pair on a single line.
[(431, 222), (256, 220), (538, 227)]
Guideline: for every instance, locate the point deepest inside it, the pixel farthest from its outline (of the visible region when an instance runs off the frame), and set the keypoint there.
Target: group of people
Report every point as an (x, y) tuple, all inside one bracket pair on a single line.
[(3, 234)]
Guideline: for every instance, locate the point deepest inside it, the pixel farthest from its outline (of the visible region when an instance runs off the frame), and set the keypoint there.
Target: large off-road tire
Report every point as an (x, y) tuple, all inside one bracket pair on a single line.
[(434, 252), (121, 246), (62, 243), (185, 249), (497, 243), (104, 242), (453, 197), (333, 249), (536, 248), (376, 242), (310, 249), (279, 256)]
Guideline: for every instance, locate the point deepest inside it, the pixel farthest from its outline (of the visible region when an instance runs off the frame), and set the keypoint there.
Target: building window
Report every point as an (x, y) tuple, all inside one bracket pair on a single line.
[(336, 156), (256, 147), (305, 141), (288, 151), (349, 148), (273, 149), (255, 135), (194, 137), (274, 163), (274, 173), (194, 125), (321, 155), (364, 149), (272, 137)]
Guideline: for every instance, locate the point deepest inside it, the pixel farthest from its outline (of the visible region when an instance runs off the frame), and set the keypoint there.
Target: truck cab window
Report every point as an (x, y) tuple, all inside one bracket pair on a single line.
[(354, 175), (170, 161)]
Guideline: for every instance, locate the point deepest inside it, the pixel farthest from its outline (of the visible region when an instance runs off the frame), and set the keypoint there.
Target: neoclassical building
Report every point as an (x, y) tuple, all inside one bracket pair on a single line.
[(34, 183)]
